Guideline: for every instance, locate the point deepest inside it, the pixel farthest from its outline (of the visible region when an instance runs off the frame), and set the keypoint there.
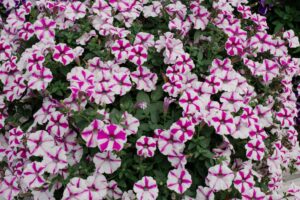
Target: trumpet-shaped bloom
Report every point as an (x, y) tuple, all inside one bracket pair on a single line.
[(219, 177), (111, 137), (106, 162), (179, 180), (146, 188)]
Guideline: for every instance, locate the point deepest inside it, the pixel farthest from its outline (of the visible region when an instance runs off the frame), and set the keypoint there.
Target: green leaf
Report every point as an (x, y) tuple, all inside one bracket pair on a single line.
[(157, 94), (143, 97)]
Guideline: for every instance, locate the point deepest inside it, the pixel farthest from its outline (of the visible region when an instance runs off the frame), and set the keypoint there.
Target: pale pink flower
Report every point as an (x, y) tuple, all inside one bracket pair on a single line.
[(254, 193), (177, 159), (33, 175), (9, 187), (255, 149), (63, 54), (244, 180), (44, 29), (153, 10), (146, 188), (27, 31), (222, 122), (106, 162), (76, 189), (96, 186), (137, 54), (58, 124), (168, 142), (145, 39), (113, 191), (130, 123), (179, 180), (144, 79), (111, 137), (146, 146), (176, 8), (81, 80), (120, 49), (121, 83), (39, 79), (183, 128), (205, 193), (101, 8), (292, 39), (55, 159), (15, 137), (219, 177), (90, 133), (75, 10), (39, 143)]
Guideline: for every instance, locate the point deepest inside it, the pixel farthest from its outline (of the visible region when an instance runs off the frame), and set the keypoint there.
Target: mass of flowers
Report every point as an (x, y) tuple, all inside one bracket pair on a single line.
[(145, 99)]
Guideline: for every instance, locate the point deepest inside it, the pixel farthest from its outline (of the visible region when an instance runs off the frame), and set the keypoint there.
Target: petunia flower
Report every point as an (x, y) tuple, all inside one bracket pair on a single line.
[(40, 142), (113, 191), (120, 49), (219, 177), (146, 146), (222, 122), (111, 137), (9, 187), (200, 15), (58, 124), (35, 62), (75, 10), (183, 128), (106, 162), (63, 54), (44, 29), (33, 175), (179, 180), (81, 80), (205, 193), (15, 137), (234, 46), (255, 149), (130, 123), (286, 117), (144, 79), (39, 79), (177, 159), (55, 159), (145, 39), (168, 142), (5, 50), (90, 133), (27, 31), (244, 180), (190, 101), (76, 189), (292, 39), (146, 188), (137, 54), (153, 10), (254, 193), (121, 83), (96, 186)]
